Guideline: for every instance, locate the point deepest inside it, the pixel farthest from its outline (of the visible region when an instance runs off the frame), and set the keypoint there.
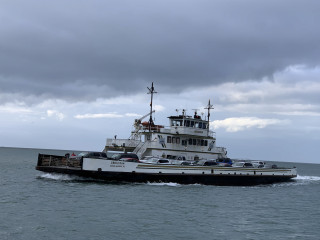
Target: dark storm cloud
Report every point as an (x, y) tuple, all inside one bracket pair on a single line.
[(87, 49)]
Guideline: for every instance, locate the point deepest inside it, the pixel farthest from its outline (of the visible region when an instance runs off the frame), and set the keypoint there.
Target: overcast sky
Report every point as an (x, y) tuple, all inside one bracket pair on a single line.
[(75, 72)]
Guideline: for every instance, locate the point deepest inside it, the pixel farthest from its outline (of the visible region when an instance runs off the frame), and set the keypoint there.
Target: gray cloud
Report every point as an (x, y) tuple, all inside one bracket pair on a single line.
[(88, 49)]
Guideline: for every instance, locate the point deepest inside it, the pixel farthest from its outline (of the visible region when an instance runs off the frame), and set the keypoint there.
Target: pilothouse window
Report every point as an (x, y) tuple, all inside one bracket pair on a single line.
[(177, 123)]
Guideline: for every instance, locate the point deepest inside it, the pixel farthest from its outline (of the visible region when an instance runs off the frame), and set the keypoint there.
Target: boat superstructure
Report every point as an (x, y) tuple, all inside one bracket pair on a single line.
[(186, 137)]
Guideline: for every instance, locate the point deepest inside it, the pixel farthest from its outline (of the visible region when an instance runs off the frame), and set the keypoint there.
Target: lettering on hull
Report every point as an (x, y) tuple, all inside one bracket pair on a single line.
[(117, 164)]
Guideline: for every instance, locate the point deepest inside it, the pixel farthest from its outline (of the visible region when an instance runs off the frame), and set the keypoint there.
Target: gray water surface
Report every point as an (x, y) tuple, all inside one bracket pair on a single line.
[(36, 205)]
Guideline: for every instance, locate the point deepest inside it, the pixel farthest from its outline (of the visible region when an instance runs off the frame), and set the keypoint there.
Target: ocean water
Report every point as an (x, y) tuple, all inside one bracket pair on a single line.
[(36, 205)]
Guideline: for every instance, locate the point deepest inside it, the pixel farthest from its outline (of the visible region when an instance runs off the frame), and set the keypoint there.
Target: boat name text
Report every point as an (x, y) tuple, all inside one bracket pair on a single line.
[(117, 164)]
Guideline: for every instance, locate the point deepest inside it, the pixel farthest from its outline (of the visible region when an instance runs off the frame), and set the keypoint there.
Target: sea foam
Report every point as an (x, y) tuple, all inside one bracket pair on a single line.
[(307, 178), (60, 177), (170, 184)]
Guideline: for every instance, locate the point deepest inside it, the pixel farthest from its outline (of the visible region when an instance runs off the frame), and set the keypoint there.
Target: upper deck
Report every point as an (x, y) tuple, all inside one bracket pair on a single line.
[(188, 125), (181, 125), (182, 130)]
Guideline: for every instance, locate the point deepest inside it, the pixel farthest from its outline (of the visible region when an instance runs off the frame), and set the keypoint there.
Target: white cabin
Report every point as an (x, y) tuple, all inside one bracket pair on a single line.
[(187, 138)]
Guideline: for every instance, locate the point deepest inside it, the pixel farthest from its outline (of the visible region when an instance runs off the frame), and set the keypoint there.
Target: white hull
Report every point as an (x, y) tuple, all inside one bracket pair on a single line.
[(129, 167)]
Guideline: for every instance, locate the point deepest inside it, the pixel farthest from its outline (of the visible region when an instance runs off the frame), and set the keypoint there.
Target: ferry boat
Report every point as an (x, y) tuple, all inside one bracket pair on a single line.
[(185, 152)]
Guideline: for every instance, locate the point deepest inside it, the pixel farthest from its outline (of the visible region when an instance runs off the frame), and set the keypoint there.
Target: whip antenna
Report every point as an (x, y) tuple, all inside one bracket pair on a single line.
[(151, 91)]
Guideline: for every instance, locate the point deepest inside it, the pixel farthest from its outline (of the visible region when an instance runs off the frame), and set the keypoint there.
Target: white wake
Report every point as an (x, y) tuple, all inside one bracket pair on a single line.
[(298, 181), (60, 177), (170, 184), (307, 178)]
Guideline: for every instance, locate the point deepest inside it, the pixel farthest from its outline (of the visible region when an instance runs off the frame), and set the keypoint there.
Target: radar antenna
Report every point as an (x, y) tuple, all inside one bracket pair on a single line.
[(184, 112), (195, 113)]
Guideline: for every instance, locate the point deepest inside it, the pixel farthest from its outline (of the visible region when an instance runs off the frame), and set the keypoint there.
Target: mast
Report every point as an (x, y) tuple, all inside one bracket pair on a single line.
[(209, 107), (151, 91)]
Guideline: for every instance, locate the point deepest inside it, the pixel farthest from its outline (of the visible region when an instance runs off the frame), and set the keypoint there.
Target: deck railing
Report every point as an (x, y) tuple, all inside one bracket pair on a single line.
[(122, 142), (59, 161)]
